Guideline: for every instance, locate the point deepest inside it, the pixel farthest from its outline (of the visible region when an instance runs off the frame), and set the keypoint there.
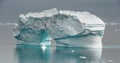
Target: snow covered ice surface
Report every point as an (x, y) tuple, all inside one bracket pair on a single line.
[(66, 28)]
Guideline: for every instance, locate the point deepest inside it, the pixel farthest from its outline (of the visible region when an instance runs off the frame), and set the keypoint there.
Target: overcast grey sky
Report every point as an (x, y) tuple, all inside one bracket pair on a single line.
[(108, 10)]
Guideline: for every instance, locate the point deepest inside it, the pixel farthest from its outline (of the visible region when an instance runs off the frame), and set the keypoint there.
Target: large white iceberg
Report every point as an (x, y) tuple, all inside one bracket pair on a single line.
[(69, 28)]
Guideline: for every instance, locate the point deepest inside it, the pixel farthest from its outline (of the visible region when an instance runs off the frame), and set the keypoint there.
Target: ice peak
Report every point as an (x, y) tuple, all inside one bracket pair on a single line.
[(45, 13)]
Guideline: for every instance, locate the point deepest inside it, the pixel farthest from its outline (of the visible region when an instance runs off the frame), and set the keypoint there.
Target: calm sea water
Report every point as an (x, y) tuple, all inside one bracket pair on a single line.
[(40, 54)]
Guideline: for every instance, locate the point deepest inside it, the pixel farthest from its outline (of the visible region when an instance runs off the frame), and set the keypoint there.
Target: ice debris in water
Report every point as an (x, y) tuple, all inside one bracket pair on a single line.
[(57, 24)]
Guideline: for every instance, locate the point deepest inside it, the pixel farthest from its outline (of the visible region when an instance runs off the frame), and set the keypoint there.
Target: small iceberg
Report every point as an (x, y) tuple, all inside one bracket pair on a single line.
[(66, 28)]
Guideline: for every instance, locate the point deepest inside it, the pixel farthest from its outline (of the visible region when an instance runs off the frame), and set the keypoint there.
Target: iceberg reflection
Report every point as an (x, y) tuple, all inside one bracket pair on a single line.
[(35, 54)]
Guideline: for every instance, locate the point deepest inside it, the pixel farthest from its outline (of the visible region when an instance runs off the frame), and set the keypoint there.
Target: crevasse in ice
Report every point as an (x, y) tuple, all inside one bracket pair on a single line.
[(58, 25)]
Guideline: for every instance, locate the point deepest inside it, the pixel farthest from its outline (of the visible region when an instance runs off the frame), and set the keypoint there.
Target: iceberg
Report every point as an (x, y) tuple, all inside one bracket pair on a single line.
[(66, 28)]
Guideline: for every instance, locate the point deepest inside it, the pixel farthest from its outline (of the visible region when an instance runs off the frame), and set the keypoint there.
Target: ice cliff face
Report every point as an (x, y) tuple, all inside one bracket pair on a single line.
[(57, 24)]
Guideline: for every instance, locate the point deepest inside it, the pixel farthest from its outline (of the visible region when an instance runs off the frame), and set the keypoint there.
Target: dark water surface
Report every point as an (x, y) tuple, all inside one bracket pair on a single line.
[(40, 54)]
